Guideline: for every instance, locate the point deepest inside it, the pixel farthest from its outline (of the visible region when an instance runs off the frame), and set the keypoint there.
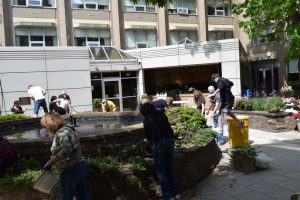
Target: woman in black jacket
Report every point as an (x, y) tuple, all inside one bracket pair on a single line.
[(161, 137)]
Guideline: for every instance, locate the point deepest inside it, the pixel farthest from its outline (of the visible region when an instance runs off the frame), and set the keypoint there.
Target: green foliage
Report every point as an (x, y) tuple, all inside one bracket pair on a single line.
[(129, 151), (159, 3), (132, 180), (29, 173), (249, 151), (282, 15), (29, 163), (203, 136), (295, 84), (25, 179), (186, 118), (269, 104), (12, 117), (106, 164), (97, 106), (138, 163)]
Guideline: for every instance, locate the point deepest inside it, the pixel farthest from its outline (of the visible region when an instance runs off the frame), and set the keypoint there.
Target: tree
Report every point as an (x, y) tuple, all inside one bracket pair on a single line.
[(282, 15)]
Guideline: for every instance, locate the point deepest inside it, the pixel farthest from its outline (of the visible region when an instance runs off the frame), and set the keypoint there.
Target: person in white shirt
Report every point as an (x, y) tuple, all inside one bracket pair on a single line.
[(37, 93)]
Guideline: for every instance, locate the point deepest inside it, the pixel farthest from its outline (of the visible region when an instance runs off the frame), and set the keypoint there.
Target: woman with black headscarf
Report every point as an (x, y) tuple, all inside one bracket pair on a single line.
[(161, 137)]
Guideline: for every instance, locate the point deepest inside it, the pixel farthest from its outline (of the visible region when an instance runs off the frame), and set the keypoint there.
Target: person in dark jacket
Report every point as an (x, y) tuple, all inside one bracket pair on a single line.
[(8, 156), (17, 109), (54, 107), (161, 137)]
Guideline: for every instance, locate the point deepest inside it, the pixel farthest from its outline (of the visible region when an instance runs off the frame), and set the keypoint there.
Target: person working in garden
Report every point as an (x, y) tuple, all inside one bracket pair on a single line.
[(108, 106), (8, 156), (17, 109), (162, 105), (227, 99), (161, 138), (199, 101), (66, 154), (37, 94)]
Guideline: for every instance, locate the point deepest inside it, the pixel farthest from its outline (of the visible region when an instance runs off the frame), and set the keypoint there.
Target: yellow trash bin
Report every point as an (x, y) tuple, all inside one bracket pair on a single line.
[(238, 137)]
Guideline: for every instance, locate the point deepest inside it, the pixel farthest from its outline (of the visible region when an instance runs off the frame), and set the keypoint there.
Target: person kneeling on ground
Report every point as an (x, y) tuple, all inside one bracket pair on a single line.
[(8, 155), (17, 109), (54, 107), (66, 153), (108, 106), (161, 137)]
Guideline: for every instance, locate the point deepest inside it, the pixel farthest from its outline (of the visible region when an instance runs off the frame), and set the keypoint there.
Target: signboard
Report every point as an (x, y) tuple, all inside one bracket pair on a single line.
[(25, 100)]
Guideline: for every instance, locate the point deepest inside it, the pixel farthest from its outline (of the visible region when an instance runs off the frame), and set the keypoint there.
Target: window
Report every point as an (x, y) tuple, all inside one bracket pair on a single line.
[(43, 3), (182, 7), (267, 36), (218, 7), (177, 36), (293, 66), (141, 6), (140, 39), (36, 37), (91, 4), (219, 35), (92, 37)]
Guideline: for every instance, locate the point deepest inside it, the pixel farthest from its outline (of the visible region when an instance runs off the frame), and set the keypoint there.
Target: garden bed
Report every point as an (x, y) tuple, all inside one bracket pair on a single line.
[(192, 165), (272, 122)]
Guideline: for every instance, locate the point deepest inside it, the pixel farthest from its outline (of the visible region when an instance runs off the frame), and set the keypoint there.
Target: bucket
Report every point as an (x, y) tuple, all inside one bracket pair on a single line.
[(46, 182)]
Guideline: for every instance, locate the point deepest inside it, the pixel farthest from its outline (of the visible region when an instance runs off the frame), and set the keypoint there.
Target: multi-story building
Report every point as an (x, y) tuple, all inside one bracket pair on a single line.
[(125, 25)]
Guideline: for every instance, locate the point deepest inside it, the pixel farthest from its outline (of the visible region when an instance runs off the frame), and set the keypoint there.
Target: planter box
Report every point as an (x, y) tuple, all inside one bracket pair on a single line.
[(272, 122), (192, 165), (242, 163)]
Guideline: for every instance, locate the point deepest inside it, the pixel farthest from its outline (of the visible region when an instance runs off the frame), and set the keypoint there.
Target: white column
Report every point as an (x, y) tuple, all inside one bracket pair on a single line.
[(141, 83)]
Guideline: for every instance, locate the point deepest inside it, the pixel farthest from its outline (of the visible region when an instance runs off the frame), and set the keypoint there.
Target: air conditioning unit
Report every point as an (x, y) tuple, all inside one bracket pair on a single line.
[(93, 44), (142, 45), (140, 8), (183, 11)]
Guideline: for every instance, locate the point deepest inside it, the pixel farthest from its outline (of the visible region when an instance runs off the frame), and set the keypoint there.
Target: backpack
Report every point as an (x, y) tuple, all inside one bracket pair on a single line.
[(6, 149)]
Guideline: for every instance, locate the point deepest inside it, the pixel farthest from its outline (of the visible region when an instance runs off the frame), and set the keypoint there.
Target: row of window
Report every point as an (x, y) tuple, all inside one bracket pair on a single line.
[(184, 7), (102, 37)]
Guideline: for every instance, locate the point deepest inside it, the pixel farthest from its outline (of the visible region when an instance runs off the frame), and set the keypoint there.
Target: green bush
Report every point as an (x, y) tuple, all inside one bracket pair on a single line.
[(97, 106), (269, 104), (203, 136), (186, 118), (29, 173), (12, 117)]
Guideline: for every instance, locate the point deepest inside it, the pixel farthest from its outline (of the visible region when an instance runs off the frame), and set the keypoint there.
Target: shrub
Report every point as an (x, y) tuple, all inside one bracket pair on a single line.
[(97, 106), (186, 118), (269, 104), (12, 117)]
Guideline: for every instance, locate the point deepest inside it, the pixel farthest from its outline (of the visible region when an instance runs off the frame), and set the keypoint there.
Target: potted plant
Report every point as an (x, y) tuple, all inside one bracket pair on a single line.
[(243, 159)]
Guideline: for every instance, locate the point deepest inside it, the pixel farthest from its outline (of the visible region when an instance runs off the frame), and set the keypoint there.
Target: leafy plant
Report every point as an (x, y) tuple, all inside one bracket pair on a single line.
[(97, 106), (203, 136), (138, 163), (106, 164), (249, 151), (29, 164), (186, 118), (12, 117), (270, 104), (132, 180), (25, 179)]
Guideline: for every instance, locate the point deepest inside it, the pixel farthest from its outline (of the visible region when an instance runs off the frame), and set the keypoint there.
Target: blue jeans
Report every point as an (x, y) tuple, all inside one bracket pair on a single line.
[(215, 119), (72, 183), (38, 104), (219, 136), (163, 155)]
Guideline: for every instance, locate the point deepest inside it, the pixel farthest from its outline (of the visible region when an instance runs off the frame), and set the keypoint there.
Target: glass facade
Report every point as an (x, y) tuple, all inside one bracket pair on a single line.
[(90, 4), (140, 6), (218, 7), (182, 7), (92, 37), (36, 37), (140, 39), (120, 87), (42, 3)]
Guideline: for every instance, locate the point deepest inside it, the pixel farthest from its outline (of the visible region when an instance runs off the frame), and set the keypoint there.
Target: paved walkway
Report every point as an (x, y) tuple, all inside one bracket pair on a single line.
[(278, 182)]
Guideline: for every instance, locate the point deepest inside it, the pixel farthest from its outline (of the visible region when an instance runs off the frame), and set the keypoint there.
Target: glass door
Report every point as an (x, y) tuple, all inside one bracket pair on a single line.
[(111, 90)]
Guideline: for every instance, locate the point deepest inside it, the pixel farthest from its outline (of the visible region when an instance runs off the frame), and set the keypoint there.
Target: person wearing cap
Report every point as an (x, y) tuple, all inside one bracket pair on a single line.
[(108, 106)]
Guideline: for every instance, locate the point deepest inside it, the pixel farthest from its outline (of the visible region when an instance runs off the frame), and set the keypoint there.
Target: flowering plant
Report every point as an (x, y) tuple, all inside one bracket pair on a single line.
[(288, 100), (296, 115), (286, 90)]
